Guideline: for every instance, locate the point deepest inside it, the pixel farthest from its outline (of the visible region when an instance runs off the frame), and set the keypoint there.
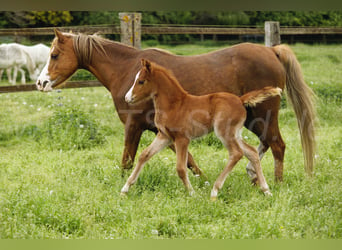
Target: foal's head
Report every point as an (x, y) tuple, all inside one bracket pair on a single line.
[(144, 87)]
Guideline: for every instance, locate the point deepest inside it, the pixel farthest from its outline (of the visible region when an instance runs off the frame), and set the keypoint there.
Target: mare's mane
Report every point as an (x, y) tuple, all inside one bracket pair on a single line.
[(84, 45)]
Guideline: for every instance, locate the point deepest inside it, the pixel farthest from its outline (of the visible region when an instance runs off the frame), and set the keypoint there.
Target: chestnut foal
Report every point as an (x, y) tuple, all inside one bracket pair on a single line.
[(181, 117)]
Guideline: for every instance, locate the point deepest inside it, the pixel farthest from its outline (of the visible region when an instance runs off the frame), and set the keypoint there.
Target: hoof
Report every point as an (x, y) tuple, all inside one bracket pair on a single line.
[(213, 198), (191, 192), (268, 193), (254, 181), (123, 194)]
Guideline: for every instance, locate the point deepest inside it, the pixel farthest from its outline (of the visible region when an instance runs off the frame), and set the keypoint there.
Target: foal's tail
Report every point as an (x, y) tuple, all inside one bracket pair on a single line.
[(254, 97), (302, 99)]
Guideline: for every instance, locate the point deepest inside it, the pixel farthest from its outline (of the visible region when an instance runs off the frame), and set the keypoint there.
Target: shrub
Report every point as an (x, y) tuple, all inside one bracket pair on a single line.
[(69, 128)]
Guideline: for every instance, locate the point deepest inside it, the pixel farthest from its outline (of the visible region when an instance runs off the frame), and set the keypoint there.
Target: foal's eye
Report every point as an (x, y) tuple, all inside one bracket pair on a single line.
[(141, 81), (54, 56)]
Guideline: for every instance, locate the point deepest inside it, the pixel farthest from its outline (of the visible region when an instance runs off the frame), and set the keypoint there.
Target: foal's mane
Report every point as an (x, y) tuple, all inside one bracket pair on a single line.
[(169, 75)]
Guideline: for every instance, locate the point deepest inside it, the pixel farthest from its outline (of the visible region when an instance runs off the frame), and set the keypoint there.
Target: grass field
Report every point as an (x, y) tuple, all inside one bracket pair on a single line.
[(60, 174)]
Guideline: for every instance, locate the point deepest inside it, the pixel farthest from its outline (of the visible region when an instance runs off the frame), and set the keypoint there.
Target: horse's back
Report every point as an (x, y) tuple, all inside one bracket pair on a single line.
[(237, 69)]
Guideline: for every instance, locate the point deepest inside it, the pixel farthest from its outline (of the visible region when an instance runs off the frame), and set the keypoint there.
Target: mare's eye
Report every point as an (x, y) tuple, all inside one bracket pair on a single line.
[(54, 56), (141, 81)]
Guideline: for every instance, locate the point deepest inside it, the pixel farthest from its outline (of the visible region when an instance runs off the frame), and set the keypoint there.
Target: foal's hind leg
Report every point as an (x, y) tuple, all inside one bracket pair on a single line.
[(252, 155), (235, 154), (158, 144), (262, 148)]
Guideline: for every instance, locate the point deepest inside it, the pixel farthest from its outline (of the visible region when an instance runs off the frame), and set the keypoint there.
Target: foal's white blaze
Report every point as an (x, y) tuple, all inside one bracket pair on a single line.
[(129, 95), (44, 82)]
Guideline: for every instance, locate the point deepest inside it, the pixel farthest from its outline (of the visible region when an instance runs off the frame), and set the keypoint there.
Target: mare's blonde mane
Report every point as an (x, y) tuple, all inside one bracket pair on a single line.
[(84, 46)]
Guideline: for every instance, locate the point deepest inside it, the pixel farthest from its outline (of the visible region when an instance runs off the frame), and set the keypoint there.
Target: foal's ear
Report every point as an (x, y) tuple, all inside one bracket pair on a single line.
[(59, 35), (147, 64)]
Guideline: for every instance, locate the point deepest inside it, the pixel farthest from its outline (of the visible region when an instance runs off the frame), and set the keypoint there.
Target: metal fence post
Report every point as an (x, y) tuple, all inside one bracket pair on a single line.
[(131, 29), (272, 33)]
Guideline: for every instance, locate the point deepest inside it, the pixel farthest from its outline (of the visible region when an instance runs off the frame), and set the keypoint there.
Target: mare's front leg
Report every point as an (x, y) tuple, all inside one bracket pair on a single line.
[(22, 72), (9, 74), (133, 134), (15, 72), (181, 145), (160, 142)]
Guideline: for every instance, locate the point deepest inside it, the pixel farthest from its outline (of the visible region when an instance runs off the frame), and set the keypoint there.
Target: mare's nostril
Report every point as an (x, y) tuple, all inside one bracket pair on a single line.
[(45, 83)]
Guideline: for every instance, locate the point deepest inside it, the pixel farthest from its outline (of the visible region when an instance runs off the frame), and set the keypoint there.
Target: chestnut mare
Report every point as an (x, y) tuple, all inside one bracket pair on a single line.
[(181, 117), (238, 70)]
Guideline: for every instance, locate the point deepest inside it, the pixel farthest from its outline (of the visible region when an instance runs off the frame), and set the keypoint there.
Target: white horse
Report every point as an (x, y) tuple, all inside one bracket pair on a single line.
[(39, 54), (13, 56)]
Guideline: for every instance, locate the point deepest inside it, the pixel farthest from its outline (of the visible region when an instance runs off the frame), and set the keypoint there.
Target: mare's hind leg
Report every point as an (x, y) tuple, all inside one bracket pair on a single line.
[(252, 155), (263, 121), (158, 144), (278, 150)]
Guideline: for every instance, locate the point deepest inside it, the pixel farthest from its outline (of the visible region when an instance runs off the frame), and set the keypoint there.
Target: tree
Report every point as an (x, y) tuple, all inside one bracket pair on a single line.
[(22, 19)]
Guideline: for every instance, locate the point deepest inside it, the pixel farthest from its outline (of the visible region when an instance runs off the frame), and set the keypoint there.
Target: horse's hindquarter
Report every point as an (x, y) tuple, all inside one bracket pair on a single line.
[(256, 67), (238, 70)]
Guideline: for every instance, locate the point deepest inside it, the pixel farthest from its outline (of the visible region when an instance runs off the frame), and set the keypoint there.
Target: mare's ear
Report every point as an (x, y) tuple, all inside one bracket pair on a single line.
[(59, 35), (147, 64)]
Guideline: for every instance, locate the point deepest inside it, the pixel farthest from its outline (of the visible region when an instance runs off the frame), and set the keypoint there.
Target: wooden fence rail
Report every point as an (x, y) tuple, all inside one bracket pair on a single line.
[(171, 29), (160, 30), (33, 87)]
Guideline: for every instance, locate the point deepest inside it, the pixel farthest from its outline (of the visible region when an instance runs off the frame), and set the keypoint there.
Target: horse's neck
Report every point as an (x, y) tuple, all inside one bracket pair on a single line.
[(170, 94), (110, 68)]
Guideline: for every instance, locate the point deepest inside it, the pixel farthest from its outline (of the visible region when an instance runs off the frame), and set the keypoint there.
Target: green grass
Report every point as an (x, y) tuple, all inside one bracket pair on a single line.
[(48, 191)]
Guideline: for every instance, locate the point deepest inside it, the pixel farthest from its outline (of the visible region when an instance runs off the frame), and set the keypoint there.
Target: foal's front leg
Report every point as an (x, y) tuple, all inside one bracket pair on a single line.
[(160, 142)]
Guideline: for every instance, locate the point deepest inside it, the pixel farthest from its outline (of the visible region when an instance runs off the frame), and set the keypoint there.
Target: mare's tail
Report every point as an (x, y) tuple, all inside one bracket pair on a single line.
[(256, 96), (302, 99)]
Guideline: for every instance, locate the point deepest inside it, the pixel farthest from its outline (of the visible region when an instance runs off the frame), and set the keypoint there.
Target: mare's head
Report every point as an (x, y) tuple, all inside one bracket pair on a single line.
[(144, 87), (61, 64)]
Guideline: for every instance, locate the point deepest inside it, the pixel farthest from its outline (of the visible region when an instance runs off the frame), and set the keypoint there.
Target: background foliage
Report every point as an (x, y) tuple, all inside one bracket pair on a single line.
[(250, 18)]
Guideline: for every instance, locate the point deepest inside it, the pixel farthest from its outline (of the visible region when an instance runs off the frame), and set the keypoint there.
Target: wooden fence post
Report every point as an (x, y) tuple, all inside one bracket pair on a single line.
[(272, 33), (131, 29)]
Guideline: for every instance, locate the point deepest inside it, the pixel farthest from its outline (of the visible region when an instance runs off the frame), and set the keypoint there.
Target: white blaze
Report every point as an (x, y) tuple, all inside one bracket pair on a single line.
[(44, 82), (129, 95)]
